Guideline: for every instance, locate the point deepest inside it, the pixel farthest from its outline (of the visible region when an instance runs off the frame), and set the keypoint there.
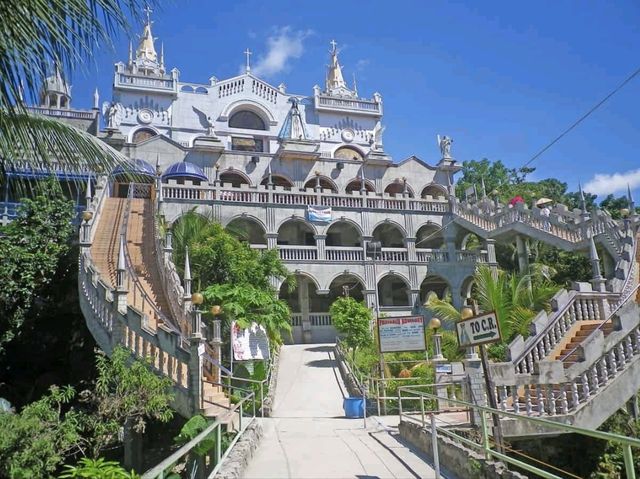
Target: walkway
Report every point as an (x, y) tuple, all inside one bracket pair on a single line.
[(308, 436)]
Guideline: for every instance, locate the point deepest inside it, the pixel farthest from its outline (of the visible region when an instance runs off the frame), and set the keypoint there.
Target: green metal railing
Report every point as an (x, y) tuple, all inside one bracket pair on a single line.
[(212, 461), (426, 415)]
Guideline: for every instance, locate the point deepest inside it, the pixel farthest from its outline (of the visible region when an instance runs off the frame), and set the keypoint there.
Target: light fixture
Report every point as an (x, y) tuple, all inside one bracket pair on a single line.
[(197, 298), (216, 309), (624, 212), (466, 312), (255, 160), (434, 324), (340, 165), (317, 173), (87, 215)]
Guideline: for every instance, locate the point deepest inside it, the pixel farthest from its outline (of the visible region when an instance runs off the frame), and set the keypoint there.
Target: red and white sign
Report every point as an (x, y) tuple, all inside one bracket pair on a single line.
[(250, 344), (401, 334)]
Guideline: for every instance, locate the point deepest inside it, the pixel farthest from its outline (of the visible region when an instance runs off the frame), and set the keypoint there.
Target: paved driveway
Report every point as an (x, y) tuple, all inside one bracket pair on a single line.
[(308, 436)]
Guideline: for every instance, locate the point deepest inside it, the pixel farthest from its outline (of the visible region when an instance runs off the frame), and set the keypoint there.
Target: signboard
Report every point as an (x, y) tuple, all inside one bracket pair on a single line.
[(249, 344), (444, 368), (401, 334), (478, 330), (319, 214)]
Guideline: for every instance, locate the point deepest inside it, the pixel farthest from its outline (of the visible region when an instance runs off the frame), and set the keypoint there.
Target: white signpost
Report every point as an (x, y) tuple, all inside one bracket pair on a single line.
[(250, 344), (478, 330), (401, 334)]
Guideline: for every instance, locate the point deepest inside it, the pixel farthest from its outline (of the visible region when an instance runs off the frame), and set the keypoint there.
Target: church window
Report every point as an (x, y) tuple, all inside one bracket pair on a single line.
[(347, 153), (247, 144), (248, 120), (142, 135)]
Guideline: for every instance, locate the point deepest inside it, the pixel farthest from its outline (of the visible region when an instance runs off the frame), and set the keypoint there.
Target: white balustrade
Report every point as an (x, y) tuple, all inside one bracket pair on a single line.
[(298, 253), (394, 255), (431, 255), (344, 253)]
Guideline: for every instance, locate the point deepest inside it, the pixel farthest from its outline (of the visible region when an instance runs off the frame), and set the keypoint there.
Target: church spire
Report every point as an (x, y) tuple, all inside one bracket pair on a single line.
[(146, 49), (335, 80)]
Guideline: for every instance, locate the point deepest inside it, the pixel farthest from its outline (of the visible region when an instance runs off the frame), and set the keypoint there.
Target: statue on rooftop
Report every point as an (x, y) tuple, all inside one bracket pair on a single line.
[(444, 143), (111, 112), (376, 138)]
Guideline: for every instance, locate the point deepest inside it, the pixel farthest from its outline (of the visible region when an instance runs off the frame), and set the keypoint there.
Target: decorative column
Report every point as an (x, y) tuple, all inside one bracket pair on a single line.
[(598, 281), (186, 299), (492, 262), (272, 240), (320, 246), (523, 254), (303, 300), (168, 245), (410, 244), (196, 351), (121, 279)]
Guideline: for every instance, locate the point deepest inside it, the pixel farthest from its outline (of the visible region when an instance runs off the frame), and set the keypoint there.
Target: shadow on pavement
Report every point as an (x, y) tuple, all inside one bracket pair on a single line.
[(320, 349), (322, 363)]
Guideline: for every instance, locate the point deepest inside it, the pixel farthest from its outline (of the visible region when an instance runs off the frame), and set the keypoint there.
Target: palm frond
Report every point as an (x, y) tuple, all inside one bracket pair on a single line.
[(47, 144), (37, 34), (443, 310)]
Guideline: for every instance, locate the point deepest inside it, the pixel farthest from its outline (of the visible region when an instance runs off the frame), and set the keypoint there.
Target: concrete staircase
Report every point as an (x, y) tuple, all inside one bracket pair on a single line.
[(123, 298)]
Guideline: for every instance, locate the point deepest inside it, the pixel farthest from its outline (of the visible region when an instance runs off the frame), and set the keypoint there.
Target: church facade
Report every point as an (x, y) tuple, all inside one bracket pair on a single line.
[(305, 173)]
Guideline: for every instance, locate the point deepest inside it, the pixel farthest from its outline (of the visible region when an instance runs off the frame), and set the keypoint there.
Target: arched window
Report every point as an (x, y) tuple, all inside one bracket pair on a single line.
[(348, 153), (247, 120), (277, 180), (142, 135)]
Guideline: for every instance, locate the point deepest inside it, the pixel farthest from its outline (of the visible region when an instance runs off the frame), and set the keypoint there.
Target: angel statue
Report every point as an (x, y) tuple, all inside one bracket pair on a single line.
[(376, 138), (444, 143), (111, 112)]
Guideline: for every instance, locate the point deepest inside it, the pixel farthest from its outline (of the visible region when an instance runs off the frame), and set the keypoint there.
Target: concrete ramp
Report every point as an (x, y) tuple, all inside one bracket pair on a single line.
[(308, 436)]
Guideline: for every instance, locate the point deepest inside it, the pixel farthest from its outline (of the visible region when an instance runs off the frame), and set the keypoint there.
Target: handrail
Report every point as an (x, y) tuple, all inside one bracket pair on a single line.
[(626, 442), (601, 326), (158, 470), (134, 277)]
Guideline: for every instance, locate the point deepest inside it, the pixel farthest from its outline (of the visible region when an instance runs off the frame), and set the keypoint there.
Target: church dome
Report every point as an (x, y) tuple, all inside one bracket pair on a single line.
[(135, 167), (55, 84), (185, 170)]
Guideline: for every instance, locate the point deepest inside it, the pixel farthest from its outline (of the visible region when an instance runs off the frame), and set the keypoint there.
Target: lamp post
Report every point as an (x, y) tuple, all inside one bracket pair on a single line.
[(216, 335), (196, 328), (465, 313), (434, 325)]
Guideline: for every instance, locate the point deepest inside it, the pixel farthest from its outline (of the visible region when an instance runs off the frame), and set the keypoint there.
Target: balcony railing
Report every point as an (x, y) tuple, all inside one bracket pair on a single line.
[(298, 253), (348, 104), (279, 196), (73, 114), (138, 81), (344, 254)]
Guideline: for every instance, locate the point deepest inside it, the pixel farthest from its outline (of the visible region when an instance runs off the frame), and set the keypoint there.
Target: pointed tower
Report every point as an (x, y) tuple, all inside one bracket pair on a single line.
[(147, 61), (335, 84), (56, 93)]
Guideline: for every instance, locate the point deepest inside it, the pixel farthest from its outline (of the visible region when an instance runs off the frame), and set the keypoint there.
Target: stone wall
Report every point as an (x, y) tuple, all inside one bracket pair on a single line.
[(267, 403), (459, 461), (239, 457)]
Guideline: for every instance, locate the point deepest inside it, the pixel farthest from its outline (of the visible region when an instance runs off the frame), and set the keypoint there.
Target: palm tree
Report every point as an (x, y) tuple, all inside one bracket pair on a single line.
[(516, 300), (36, 36)]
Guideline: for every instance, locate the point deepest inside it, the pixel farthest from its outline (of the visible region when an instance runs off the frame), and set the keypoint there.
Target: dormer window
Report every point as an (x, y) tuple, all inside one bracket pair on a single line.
[(247, 120)]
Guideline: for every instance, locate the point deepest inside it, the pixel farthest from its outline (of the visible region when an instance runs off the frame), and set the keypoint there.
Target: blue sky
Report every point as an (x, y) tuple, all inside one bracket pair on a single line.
[(502, 78)]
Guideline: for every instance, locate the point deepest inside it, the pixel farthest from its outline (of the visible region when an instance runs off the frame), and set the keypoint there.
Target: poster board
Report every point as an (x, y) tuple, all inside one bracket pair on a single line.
[(401, 334), (250, 344), (482, 329)]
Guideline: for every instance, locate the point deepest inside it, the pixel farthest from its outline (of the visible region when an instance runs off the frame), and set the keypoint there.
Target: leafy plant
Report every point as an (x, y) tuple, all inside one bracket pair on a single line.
[(35, 441), (31, 246), (352, 319), (127, 393), (97, 469)]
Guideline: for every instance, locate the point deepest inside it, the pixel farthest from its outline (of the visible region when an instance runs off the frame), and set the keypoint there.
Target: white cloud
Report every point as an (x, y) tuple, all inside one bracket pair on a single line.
[(282, 47), (604, 184), (362, 64)]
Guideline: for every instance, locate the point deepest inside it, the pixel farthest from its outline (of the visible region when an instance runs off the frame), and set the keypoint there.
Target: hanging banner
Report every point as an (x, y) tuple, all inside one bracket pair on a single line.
[(250, 344), (401, 334), (319, 214)]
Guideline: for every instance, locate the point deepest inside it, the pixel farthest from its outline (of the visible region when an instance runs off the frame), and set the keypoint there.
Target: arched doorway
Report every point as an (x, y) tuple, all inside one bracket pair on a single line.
[(323, 182), (248, 230), (277, 180), (398, 188), (356, 185), (393, 290), (437, 192), (433, 284), (233, 178), (346, 284), (389, 235), (429, 236), (296, 232)]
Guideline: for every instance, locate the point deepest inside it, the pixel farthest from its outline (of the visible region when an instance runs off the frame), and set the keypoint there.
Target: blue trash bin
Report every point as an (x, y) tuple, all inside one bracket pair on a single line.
[(353, 407)]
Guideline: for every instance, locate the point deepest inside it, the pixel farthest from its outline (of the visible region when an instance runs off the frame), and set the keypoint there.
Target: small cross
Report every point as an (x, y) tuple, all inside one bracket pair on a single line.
[(148, 11), (248, 53), (333, 44)]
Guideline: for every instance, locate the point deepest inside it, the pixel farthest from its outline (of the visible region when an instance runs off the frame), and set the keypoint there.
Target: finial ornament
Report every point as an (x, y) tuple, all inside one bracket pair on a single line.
[(248, 54), (444, 143), (148, 11)]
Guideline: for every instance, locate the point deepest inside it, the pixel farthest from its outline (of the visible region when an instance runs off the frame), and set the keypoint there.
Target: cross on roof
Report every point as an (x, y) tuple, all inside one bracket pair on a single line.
[(333, 43), (148, 11), (247, 52)]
